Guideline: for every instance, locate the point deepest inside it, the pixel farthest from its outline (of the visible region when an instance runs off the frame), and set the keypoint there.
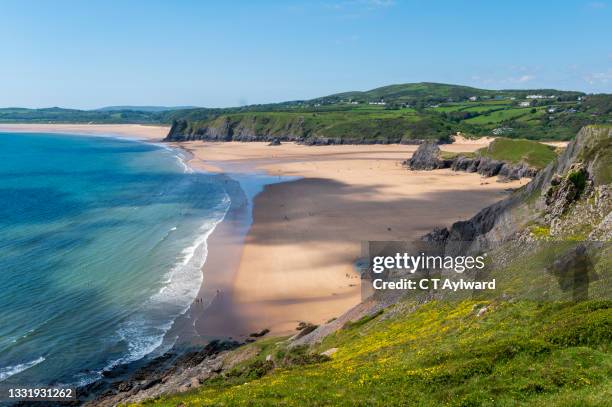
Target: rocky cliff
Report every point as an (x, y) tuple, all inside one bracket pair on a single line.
[(572, 196), (310, 129), (429, 157)]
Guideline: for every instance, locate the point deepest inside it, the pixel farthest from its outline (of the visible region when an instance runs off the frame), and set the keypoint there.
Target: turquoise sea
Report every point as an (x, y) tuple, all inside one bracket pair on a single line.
[(101, 245)]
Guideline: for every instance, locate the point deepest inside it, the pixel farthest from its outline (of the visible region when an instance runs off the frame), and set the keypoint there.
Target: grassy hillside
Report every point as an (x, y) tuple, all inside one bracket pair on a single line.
[(388, 114), (406, 112), (520, 353), (533, 153), (436, 92)]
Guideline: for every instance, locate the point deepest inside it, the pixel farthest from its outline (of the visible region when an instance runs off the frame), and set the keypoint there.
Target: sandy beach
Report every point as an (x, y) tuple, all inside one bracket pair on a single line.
[(296, 263), (132, 131)]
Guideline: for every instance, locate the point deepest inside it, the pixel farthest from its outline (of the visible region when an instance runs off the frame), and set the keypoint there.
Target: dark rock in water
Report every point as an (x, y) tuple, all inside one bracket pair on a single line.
[(275, 142), (427, 157), (116, 371), (305, 328)]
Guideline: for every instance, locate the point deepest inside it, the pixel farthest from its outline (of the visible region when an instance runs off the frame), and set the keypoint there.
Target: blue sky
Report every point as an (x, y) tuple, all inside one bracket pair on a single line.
[(88, 54)]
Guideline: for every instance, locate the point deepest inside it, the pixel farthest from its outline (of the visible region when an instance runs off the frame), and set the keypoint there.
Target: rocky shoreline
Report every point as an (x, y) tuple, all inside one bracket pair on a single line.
[(176, 370), (429, 157)]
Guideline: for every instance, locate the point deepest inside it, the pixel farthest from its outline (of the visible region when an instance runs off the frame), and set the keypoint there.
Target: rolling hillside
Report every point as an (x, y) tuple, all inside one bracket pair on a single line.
[(397, 113), (402, 113)]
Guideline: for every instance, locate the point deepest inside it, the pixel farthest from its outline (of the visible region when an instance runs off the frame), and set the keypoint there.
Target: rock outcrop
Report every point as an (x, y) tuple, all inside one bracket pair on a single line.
[(167, 374), (489, 167), (429, 157)]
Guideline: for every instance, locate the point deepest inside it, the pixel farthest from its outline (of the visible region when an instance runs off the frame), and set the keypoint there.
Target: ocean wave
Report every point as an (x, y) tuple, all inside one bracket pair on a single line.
[(182, 159), (144, 332), (6, 372)]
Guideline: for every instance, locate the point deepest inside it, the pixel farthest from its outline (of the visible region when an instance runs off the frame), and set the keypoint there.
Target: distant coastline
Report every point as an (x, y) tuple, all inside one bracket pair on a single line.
[(153, 133)]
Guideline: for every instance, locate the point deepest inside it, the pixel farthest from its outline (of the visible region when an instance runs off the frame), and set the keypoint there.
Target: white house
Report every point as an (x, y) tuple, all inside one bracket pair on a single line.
[(525, 104)]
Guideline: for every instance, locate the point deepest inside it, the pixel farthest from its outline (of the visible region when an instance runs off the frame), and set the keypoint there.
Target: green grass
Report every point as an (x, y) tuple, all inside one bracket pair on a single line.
[(449, 155), (498, 116), (533, 153), (521, 353)]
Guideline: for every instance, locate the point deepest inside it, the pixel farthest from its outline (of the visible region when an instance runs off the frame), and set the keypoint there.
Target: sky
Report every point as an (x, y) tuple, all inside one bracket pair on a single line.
[(89, 54)]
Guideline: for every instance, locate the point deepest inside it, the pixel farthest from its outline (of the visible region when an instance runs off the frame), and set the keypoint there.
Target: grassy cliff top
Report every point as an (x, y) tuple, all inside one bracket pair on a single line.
[(533, 153), (440, 354)]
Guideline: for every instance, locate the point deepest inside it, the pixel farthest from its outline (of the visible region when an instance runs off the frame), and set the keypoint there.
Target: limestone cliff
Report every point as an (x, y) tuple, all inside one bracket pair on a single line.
[(571, 195)]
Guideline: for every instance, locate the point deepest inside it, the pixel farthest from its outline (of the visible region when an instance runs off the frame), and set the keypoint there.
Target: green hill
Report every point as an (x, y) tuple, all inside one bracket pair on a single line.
[(437, 92), (440, 354)]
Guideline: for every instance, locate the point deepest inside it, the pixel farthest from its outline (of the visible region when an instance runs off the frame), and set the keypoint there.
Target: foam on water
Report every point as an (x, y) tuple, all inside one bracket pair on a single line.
[(144, 335), (6, 372)]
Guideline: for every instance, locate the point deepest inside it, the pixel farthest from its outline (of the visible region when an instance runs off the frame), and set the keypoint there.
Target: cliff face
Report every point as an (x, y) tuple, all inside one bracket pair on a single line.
[(489, 167), (571, 194), (225, 128), (429, 157), (310, 128)]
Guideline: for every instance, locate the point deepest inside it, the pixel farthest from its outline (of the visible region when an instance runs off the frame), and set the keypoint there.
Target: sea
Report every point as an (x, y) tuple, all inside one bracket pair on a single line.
[(101, 246)]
